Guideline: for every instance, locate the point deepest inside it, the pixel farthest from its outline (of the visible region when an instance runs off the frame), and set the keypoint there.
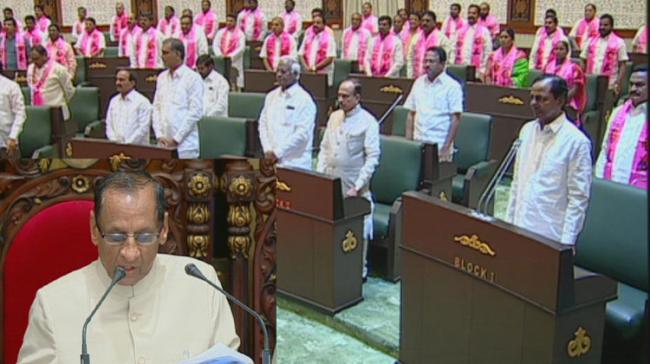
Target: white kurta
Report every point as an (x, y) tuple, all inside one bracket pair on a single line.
[(87, 51), (177, 109), (215, 95), (552, 180), (275, 60), (141, 56), (78, 28), (353, 48), (236, 56), (12, 110), (468, 47), (627, 145), (128, 119), (397, 61), (131, 35), (547, 47), (166, 317), (286, 126), (311, 58), (58, 89), (599, 60)]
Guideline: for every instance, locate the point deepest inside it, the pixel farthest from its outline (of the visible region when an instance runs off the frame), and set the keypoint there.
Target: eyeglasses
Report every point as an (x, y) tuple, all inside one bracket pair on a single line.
[(118, 239)]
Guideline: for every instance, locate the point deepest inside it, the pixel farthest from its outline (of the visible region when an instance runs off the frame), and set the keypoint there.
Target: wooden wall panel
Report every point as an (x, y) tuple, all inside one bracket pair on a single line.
[(416, 5), (333, 13), (52, 8), (144, 7)]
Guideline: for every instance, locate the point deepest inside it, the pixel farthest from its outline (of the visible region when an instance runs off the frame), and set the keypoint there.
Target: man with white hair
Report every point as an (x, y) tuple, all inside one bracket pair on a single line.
[(120, 21), (287, 120)]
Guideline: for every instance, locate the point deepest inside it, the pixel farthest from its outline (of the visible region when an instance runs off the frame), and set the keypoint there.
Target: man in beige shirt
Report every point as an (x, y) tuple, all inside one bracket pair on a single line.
[(49, 82), (155, 314)]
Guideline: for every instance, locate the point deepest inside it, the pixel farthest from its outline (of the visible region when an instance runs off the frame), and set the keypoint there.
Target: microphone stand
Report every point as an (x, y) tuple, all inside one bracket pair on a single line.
[(193, 271), (391, 108), (118, 276)]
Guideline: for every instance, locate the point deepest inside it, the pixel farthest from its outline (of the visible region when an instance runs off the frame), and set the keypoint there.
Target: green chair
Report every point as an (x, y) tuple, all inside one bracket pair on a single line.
[(625, 90), (533, 75), (220, 66), (27, 94), (400, 170), (220, 136), (80, 73), (474, 166), (462, 72), (400, 114), (35, 140), (614, 242), (247, 105), (342, 70), (248, 53), (84, 107), (111, 52)]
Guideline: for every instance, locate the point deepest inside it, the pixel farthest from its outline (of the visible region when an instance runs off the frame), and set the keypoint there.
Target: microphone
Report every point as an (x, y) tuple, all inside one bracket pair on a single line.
[(120, 273), (391, 108), (193, 271)]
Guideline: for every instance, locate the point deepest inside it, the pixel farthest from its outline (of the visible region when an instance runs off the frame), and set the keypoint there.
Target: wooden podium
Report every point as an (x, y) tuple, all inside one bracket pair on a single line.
[(320, 240), (103, 148), (380, 92), (475, 291), (100, 72)]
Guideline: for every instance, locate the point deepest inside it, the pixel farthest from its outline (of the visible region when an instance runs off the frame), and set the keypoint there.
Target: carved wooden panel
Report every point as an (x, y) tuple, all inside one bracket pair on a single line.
[(52, 8), (333, 13), (145, 7), (234, 6), (416, 6), (521, 11)]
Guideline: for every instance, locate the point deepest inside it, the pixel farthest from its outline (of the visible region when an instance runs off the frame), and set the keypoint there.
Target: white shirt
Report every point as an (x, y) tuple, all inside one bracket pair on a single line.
[(601, 48), (58, 89), (237, 56), (547, 46), (12, 110), (89, 45), (177, 108), (552, 179), (78, 28), (398, 56), (351, 50), (128, 119), (264, 52), (135, 323), (201, 43), (141, 56), (627, 144), (250, 23), (312, 56), (215, 95), (468, 47), (131, 35), (434, 103), (286, 126)]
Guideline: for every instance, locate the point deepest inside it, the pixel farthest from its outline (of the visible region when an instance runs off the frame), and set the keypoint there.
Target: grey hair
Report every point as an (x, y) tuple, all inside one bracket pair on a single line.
[(176, 46), (293, 64)]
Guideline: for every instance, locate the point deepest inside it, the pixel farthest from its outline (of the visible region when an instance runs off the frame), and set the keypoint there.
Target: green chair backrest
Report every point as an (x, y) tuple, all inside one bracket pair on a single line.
[(342, 69), (399, 168), (111, 52), (473, 139), (399, 121), (459, 71), (247, 57), (220, 66), (625, 90), (37, 130), (614, 240), (27, 94), (533, 75), (84, 106), (219, 136), (80, 73), (247, 105), (592, 92)]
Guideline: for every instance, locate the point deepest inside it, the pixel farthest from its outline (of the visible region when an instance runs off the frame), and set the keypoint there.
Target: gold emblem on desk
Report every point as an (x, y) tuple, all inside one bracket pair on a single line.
[(443, 196), (20, 79), (117, 159), (391, 89), (511, 100), (475, 243), (68, 150), (281, 186), (152, 78), (97, 66), (580, 345), (350, 242)]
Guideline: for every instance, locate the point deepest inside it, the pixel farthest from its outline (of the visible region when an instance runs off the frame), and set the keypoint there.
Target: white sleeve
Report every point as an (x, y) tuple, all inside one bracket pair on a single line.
[(398, 62), (216, 44), (110, 128), (372, 152), (195, 109), (39, 346), (263, 126), (202, 44), (143, 122), (17, 105), (302, 132), (579, 185)]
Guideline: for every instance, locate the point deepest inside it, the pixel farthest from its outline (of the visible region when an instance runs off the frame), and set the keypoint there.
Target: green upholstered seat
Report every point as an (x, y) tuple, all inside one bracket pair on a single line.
[(219, 136), (111, 52), (80, 73), (247, 105), (460, 72), (342, 70), (247, 57), (380, 220), (592, 117), (533, 75), (27, 95), (84, 107), (614, 242), (37, 130), (220, 66), (399, 121)]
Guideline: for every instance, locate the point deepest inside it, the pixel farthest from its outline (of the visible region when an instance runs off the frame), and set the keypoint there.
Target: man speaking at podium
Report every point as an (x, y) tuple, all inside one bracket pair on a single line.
[(155, 314)]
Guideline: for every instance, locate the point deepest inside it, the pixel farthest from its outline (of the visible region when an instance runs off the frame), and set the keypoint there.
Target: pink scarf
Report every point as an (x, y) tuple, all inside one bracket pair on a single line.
[(42, 23), (477, 46), (642, 47), (208, 21), (119, 22), (371, 23), (501, 65), (555, 39), (610, 61), (90, 43), (56, 50), (229, 47), (258, 23), (285, 48), (38, 85), (573, 74), (323, 46), (21, 50), (452, 26), (79, 26), (490, 23), (35, 37), (639, 174), (586, 29), (174, 23), (291, 25), (383, 62), (190, 41), (424, 42), (361, 48), (125, 36), (151, 60)]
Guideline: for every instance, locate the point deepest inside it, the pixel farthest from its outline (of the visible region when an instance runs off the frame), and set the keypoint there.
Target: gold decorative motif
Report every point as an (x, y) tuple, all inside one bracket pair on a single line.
[(68, 150), (511, 100), (239, 216), (580, 345), (44, 165), (281, 186), (239, 245), (199, 185), (97, 66), (198, 245), (80, 184), (350, 243), (443, 196), (152, 78), (475, 243), (198, 213), (241, 186), (392, 89), (117, 159), (21, 79)]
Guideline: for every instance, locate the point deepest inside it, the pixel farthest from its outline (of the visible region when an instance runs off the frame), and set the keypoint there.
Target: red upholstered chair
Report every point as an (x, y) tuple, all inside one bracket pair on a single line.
[(51, 244)]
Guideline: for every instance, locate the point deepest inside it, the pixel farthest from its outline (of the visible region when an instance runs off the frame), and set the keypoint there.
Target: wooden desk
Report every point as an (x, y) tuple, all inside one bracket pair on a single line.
[(378, 93), (102, 148), (256, 61), (638, 58)]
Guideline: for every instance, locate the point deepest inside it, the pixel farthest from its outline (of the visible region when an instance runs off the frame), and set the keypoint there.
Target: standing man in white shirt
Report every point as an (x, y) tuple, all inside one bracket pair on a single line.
[(49, 82), (435, 104), (170, 25), (552, 174), (287, 121), (148, 45), (385, 56), (355, 41), (292, 19), (128, 119), (215, 87), (196, 44), (128, 36), (119, 21), (230, 42), (79, 25), (178, 102), (12, 114), (350, 150), (318, 49), (278, 44)]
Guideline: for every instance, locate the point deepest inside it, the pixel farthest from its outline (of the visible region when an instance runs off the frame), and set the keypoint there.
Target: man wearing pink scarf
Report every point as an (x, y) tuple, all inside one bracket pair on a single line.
[(91, 43), (623, 156), (170, 25), (33, 35), (9, 14), (148, 45), (474, 43), (606, 54), (230, 42), (489, 21), (42, 20), (60, 51), (640, 41), (318, 49), (207, 19), (79, 25), (49, 82), (292, 19), (370, 22), (385, 56), (118, 22), (545, 41), (11, 37), (194, 40), (454, 22), (586, 27), (355, 41), (252, 21), (126, 47), (428, 36), (277, 45)]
